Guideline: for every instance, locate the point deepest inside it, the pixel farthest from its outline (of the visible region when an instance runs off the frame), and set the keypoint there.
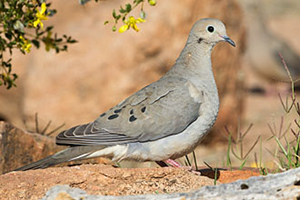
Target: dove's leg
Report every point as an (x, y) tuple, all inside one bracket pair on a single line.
[(165, 163), (173, 163)]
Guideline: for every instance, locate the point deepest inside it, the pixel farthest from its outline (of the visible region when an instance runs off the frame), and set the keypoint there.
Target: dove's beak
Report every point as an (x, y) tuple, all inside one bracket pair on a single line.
[(227, 39)]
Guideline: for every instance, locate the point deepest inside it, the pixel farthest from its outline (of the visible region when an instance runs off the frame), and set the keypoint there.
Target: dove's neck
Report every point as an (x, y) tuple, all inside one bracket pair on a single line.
[(196, 57), (194, 63)]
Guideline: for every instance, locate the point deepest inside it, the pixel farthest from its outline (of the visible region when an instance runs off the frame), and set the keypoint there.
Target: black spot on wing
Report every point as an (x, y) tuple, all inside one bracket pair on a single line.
[(132, 118), (103, 115), (117, 111), (143, 109), (113, 116), (131, 111)]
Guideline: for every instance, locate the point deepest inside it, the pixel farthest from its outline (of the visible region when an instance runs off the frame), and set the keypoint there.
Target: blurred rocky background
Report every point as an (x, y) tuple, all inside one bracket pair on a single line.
[(105, 67)]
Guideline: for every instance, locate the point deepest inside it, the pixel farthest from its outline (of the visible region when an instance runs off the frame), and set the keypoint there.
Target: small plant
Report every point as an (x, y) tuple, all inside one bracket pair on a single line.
[(286, 152), (22, 27), (188, 162), (236, 147), (44, 130), (215, 170)]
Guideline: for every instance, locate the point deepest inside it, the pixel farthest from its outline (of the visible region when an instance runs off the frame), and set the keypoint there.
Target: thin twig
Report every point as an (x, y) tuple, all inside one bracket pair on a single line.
[(252, 147), (272, 132), (195, 160), (285, 66), (188, 160), (36, 123), (59, 127), (46, 127)]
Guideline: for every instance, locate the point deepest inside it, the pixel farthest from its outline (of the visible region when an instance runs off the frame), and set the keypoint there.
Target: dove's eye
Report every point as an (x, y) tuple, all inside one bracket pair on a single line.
[(210, 29)]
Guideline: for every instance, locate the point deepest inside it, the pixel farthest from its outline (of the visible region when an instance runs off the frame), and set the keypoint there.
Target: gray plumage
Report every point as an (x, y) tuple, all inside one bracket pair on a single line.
[(165, 120)]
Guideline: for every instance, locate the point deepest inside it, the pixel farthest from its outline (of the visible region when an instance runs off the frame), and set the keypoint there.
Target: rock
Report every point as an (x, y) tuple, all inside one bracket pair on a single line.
[(100, 180), (100, 70), (230, 175), (274, 186), (19, 147), (64, 192)]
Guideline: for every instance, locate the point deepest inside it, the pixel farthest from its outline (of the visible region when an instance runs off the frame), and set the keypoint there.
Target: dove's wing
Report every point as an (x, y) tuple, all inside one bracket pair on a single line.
[(164, 108)]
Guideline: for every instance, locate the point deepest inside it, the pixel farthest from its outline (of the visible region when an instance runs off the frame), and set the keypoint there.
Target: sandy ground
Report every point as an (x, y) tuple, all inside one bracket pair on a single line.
[(106, 180)]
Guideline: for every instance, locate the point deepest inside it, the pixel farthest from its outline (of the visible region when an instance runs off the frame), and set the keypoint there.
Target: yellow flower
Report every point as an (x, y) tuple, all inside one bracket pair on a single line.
[(40, 15), (131, 22), (25, 44)]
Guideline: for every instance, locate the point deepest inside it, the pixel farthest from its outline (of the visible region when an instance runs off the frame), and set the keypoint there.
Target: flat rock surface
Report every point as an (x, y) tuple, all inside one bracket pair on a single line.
[(274, 186), (101, 180), (107, 180)]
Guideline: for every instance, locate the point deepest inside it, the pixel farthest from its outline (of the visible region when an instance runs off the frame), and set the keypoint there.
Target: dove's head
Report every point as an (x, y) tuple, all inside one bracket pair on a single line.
[(210, 31)]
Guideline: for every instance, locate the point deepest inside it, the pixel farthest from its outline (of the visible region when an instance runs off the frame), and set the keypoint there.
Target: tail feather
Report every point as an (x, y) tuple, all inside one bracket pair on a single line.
[(69, 154)]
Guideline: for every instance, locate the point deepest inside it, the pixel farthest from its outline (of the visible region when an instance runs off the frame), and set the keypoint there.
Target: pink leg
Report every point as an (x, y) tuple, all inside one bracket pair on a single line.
[(167, 162), (173, 163)]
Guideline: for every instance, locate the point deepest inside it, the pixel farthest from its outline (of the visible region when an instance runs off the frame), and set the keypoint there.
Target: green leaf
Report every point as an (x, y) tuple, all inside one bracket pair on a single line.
[(281, 147), (243, 164), (58, 40), (228, 160), (49, 28), (137, 1), (72, 41), (122, 10), (114, 14), (128, 7), (8, 35), (15, 76), (56, 49), (51, 12), (36, 43)]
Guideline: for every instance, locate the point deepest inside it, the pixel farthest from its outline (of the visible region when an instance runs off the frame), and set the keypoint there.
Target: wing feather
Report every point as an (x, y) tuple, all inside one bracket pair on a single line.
[(161, 109)]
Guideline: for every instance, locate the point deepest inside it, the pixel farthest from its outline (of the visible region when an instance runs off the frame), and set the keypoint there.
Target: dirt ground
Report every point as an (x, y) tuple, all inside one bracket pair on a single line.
[(106, 180)]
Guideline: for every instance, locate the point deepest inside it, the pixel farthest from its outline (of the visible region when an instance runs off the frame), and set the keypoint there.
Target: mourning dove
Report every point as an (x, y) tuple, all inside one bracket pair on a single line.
[(263, 48), (164, 120)]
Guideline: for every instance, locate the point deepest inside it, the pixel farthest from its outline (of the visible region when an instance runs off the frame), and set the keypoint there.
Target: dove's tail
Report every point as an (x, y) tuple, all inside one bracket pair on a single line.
[(69, 154)]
